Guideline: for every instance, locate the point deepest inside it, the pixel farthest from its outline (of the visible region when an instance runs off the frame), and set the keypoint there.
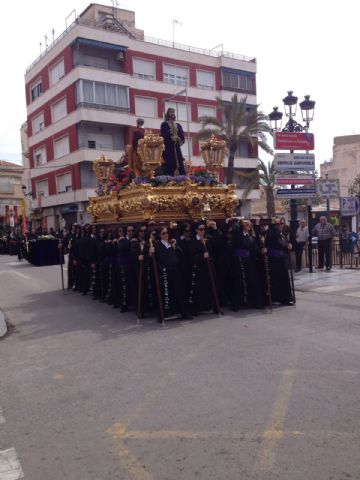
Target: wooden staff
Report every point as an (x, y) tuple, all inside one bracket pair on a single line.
[(291, 274), (141, 268), (70, 268), (267, 272), (157, 283), (212, 281), (61, 265)]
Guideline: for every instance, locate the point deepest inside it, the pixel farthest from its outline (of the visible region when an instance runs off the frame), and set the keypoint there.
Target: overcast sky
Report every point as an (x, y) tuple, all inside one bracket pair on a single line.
[(310, 47)]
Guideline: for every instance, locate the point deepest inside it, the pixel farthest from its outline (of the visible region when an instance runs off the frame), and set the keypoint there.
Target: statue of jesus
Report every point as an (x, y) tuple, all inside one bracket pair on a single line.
[(174, 137)]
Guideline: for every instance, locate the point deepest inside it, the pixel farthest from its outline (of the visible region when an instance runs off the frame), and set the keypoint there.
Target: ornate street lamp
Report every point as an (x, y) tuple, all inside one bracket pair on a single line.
[(307, 110), (290, 104), (275, 119)]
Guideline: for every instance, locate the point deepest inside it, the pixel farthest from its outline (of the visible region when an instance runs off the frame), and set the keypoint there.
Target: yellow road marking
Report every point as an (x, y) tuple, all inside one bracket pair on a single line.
[(132, 465), (274, 429)]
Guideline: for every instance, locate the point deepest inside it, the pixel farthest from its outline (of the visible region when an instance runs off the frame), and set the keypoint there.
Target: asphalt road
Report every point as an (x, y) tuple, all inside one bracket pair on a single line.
[(87, 394)]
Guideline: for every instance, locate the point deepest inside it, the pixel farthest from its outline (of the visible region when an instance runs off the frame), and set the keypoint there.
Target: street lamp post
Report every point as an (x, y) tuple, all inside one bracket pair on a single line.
[(307, 111)]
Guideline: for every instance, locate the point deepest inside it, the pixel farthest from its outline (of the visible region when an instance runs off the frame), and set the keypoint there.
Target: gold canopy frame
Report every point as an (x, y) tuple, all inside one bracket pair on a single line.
[(185, 201)]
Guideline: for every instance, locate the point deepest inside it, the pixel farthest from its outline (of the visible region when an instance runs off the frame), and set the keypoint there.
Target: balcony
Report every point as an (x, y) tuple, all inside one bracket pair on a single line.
[(95, 54)]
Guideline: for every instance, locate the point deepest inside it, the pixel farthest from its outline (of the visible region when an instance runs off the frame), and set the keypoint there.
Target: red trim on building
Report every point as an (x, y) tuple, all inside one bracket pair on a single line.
[(44, 74), (49, 143), (69, 93)]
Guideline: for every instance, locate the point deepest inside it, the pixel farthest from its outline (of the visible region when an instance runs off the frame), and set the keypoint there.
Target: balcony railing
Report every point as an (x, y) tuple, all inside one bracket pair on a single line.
[(99, 106)]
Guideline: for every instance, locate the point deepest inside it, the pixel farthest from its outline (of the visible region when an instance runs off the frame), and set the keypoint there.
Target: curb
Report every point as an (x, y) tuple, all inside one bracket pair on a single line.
[(3, 326)]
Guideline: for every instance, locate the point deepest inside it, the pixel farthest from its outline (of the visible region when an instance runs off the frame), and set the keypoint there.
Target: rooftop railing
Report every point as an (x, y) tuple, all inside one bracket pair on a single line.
[(155, 41)]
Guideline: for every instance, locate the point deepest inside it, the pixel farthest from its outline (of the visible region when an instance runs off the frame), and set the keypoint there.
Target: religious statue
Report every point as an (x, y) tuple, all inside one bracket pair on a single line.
[(173, 135), (134, 160)]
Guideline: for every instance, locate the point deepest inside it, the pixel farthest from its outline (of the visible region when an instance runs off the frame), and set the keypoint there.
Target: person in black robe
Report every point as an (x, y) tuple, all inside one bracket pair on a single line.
[(100, 277), (138, 134), (147, 302), (247, 288), (202, 296), (277, 251), (124, 289), (81, 262), (174, 137), (170, 279)]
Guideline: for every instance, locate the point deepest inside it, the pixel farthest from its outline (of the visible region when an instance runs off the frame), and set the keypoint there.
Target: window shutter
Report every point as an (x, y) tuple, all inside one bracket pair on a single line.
[(64, 183), (42, 188), (145, 107), (57, 72), (206, 111), (38, 123), (59, 110), (205, 79), (143, 68), (62, 147)]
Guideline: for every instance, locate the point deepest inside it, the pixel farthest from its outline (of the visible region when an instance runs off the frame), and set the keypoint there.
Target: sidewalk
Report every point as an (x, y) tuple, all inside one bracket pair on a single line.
[(339, 281)]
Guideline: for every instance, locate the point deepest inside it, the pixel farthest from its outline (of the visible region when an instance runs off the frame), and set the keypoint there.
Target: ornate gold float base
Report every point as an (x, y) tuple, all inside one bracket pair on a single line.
[(144, 202)]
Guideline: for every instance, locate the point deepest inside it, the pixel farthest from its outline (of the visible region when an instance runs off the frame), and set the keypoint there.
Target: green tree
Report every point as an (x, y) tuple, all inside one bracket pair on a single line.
[(265, 175), (239, 124)]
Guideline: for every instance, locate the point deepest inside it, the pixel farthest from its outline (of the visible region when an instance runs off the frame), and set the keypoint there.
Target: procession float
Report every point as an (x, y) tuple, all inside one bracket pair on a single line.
[(135, 190)]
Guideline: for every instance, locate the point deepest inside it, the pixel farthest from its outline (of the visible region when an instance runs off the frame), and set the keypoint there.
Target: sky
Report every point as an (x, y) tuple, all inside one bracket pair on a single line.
[(310, 47)]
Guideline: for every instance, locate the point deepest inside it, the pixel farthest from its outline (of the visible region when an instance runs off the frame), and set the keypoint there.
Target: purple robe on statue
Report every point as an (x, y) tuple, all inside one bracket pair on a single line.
[(173, 159)]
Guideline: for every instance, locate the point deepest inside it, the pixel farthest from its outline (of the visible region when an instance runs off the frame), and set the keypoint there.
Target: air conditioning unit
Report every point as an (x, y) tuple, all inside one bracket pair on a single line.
[(120, 56)]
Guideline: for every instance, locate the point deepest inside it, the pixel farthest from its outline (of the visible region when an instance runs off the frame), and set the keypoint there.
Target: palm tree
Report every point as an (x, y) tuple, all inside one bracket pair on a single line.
[(239, 124), (266, 176)]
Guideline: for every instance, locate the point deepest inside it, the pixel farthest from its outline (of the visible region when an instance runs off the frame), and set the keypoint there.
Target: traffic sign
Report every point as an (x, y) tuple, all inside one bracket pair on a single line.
[(349, 206), (294, 141), (328, 188), (295, 192), (288, 162), (297, 179)]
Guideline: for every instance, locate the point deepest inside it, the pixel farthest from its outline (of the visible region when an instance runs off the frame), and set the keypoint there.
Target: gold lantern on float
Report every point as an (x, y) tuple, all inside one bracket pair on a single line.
[(103, 168), (213, 152), (150, 150)]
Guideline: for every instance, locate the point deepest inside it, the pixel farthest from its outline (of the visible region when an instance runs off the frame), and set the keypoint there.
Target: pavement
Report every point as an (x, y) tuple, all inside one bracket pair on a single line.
[(86, 393), (338, 281)]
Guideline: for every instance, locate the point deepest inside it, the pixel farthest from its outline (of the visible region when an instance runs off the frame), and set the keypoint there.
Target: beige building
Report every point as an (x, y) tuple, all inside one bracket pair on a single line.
[(345, 164), (10, 193)]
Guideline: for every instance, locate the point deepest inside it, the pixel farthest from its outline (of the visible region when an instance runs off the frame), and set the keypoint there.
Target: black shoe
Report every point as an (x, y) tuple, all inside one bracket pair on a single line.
[(319, 268), (187, 316), (123, 309), (328, 269)]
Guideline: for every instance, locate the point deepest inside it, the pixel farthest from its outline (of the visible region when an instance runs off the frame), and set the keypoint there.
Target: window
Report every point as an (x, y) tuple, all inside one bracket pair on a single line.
[(98, 93), (38, 123), (144, 68), (57, 72), (238, 81), (205, 80), (242, 150), (206, 111), (6, 185), (180, 110), (64, 183), (36, 91), (102, 141), (146, 107), (176, 75), (62, 147), (40, 156), (186, 147), (42, 188), (59, 110)]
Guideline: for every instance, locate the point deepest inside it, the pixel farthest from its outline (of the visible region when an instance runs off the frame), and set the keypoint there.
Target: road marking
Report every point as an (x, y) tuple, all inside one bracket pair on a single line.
[(274, 429), (16, 273), (10, 468), (59, 376)]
